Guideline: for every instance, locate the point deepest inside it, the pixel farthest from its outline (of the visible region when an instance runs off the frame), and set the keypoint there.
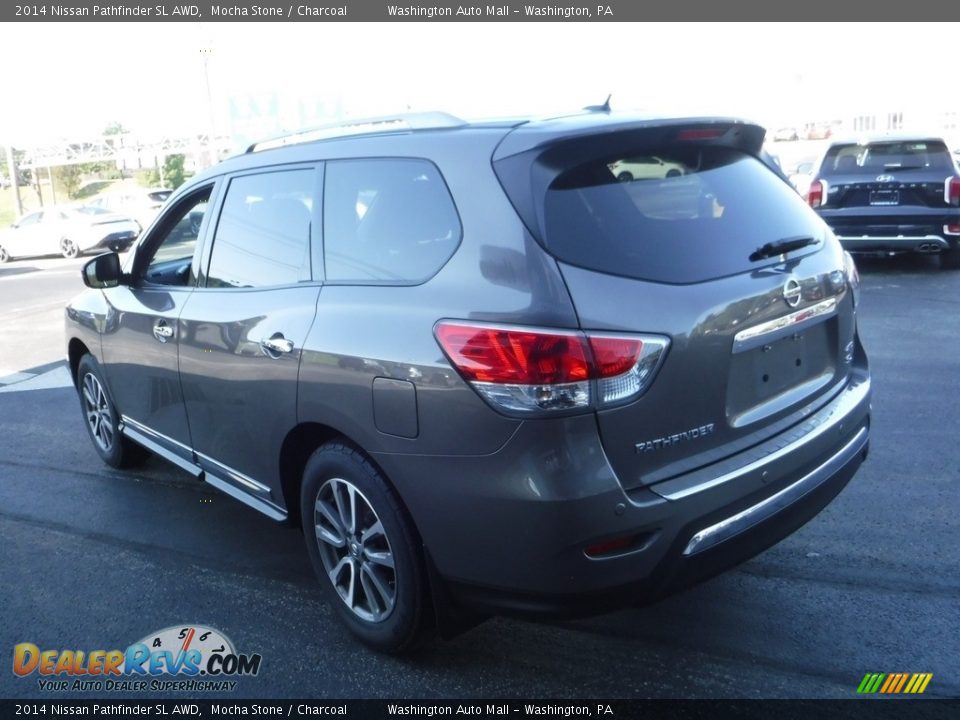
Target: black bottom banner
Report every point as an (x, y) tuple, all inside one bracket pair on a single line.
[(875, 709)]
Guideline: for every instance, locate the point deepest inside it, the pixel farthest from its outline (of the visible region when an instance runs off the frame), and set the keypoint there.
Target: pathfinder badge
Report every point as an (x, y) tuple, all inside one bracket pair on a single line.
[(668, 440)]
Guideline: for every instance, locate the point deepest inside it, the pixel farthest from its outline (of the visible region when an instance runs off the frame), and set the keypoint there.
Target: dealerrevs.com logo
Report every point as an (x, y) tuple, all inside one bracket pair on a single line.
[(191, 658)]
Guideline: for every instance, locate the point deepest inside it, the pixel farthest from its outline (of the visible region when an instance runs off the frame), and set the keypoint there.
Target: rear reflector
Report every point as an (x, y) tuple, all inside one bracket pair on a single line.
[(530, 369), (609, 547)]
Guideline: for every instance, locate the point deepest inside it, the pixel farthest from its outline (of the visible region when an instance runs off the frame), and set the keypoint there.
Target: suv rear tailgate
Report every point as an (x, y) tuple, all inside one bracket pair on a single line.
[(758, 340)]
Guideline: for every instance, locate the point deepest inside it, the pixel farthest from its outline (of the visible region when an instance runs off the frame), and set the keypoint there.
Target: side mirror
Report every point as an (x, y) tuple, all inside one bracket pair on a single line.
[(103, 271)]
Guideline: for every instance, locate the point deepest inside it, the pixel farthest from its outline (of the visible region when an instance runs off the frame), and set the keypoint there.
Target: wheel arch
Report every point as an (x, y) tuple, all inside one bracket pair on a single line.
[(299, 444), (76, 349)]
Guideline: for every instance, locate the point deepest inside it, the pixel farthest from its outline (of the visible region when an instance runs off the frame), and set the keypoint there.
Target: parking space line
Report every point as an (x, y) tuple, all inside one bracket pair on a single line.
[(57, 378), (9, 378)]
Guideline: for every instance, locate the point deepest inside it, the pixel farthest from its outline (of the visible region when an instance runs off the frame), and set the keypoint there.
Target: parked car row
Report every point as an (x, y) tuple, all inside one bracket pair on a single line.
[(67, 231), (107, 223)]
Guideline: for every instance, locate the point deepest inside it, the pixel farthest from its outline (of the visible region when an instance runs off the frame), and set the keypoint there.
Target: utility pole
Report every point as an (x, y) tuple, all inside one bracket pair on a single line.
[(53, 192), (14, 178)]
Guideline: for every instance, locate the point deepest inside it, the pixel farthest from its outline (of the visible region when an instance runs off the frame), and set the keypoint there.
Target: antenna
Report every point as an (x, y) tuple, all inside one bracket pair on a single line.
[(600, 108)]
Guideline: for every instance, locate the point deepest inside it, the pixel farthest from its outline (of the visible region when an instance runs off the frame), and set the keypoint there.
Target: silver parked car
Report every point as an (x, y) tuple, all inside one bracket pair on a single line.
[(67, 231), (482, 373)]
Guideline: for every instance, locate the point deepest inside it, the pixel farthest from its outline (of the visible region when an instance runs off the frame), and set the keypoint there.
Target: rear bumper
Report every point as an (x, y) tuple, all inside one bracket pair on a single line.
[(507, 532), (893, 229), (679, 569), (869, 243), (117, 241)]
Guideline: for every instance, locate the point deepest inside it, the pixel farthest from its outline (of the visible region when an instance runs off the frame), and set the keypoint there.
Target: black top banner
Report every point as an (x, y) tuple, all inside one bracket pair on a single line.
[(505, 11)]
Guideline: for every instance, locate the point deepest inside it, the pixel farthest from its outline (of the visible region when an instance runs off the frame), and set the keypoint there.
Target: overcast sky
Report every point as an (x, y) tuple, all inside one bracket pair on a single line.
[(74, 79)]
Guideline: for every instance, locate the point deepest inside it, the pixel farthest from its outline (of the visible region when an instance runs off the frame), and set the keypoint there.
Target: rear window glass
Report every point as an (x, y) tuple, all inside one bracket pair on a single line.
[(682, 216), (387, 220), (872, 158)]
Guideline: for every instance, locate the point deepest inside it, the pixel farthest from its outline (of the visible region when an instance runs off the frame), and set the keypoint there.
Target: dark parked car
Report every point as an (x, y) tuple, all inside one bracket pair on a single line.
[(482, 373), (891, 195)]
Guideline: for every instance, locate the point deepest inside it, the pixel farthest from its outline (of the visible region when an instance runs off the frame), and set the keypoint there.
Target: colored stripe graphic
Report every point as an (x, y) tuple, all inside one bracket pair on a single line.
[(903, 679), (892, 680), (870, 683), (894, 683)]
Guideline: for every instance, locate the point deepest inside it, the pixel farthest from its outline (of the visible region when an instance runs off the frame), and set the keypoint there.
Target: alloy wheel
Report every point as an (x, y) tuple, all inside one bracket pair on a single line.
[(355, 550), (68, 248), (97, 409)]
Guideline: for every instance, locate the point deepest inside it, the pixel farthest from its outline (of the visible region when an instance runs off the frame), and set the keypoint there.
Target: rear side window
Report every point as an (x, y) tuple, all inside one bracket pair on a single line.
[(386, 221), (879, 157), (263, 235), (690, 214)]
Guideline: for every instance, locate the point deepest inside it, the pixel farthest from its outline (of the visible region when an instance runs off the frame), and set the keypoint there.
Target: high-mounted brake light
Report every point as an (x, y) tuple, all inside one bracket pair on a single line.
[(701, 134), (816, 193), (531, 370), (951, 191)]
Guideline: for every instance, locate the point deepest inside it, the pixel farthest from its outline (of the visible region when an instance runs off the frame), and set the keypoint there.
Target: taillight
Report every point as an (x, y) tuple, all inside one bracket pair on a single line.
[(488, 354), (816, 193), (530, 370), (951, 191)]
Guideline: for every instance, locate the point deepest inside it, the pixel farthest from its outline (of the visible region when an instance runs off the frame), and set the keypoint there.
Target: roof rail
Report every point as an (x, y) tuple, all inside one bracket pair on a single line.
[(364, 126)]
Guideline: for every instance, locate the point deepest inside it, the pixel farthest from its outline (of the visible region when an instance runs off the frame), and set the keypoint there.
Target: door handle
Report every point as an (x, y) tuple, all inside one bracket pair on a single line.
[(276, 344), (162, 331)]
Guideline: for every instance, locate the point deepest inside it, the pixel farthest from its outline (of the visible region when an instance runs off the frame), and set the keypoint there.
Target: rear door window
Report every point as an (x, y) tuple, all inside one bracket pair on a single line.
[(699, 216), (387, 221), (263, 233)]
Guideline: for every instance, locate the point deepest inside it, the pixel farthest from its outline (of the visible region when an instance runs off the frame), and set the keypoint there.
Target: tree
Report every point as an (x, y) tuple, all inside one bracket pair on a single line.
[(115, 128), (173, 173), (68, 177)]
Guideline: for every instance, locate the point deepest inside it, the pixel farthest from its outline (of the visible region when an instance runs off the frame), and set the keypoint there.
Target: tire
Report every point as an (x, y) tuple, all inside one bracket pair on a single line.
[(102, 419), (382, 606), (4, 255), (625, 176), (673, 172), (950, 259), (68, 248)]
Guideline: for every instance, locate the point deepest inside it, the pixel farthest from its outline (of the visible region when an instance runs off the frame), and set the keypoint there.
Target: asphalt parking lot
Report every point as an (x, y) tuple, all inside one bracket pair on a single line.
[(97, 558)]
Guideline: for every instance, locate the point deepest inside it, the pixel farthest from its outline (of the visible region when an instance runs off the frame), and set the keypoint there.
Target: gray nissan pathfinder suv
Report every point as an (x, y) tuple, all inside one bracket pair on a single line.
[(481, 372)]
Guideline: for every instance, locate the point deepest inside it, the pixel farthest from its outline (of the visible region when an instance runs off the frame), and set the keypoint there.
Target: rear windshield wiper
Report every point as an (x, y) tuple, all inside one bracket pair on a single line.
[(779, 247)]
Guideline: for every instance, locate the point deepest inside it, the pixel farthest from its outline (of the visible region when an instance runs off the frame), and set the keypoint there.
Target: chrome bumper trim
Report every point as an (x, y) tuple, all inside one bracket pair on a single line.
[(821, 422), (735, 524), (894, 239)]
